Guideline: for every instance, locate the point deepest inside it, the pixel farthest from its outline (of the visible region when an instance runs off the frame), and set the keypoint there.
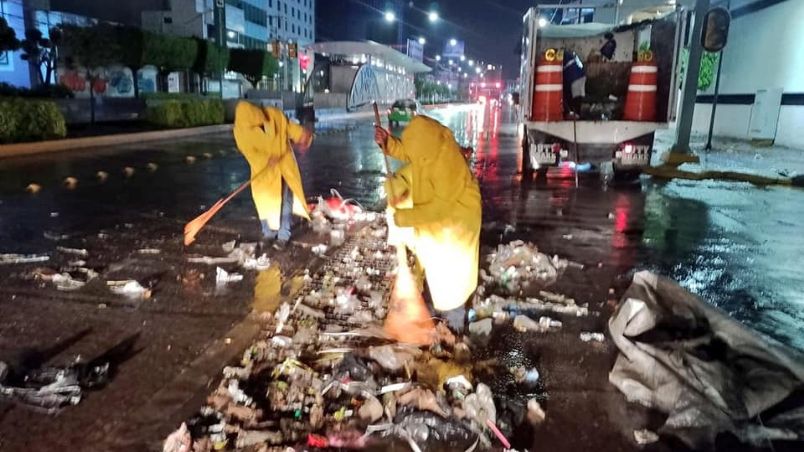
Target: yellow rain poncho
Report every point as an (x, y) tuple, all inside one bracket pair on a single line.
[(263, 136), (446, 209)]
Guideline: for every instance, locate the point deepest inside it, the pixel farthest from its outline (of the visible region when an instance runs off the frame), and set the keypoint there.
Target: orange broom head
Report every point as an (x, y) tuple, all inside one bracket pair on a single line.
[(408, 319), (192, 228)]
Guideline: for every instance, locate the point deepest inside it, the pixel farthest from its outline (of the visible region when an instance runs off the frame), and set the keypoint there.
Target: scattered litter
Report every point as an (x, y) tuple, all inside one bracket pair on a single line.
[(337, 208), (523, 323), (128, 171), (54, 214), (102, 176), (178, 441), (319, 250), (336, 237), (51, 388), (189, 159), (516, 265), (536, 414), (223, 277), (65, 282), (567, 236), (324, 373), (524, 376), (75, 251), (70, 183), (149, 251), (212, 260), (261, 263), (592, 337), (6, 259), (33, 188), (480, 328), (54, 236), (645, 436), (129, 288), (228, 247), (152, 167)]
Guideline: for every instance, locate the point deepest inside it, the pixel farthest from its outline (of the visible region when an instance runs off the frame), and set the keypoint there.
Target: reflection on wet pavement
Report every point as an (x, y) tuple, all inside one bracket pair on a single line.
[(268, 290), (736, 246)]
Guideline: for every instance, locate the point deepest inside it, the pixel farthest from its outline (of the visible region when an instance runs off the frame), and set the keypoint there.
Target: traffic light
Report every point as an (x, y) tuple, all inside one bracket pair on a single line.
[(715, 29), (293, 50)]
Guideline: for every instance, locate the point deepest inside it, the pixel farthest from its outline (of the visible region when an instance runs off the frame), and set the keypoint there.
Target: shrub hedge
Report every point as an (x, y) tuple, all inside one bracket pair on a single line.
[(173, 114), (30, 120)]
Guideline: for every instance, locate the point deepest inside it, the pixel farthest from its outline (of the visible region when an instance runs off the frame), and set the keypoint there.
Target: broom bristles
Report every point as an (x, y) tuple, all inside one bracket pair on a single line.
[(192, 228)]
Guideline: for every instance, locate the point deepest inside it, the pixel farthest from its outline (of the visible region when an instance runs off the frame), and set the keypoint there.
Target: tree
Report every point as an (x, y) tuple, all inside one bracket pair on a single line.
[(169, 53), (42, 53), (253, 64), (8, 37), (131, 42), (92, 48), (211, 59)]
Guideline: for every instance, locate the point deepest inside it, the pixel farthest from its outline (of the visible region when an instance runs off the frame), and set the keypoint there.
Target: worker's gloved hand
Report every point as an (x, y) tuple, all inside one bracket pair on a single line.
[(381, 136)]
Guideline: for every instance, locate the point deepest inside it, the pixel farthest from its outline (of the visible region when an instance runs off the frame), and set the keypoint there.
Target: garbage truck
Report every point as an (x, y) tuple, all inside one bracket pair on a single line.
[(596, 93)]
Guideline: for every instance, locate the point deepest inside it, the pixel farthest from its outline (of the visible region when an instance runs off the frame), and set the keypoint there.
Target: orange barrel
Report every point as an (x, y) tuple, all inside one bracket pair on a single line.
[(549, 87), (640, 102)]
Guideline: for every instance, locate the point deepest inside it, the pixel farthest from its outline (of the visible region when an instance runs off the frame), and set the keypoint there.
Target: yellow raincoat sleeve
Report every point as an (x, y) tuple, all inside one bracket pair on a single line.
[(396, 149)]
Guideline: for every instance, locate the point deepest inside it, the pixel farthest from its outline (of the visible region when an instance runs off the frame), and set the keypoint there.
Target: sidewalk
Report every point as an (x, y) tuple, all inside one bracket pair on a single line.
[(735, 157)]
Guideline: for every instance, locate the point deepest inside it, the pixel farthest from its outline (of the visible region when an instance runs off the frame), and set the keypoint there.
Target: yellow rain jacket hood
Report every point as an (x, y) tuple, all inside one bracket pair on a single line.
[(446, 212), (263, 136)]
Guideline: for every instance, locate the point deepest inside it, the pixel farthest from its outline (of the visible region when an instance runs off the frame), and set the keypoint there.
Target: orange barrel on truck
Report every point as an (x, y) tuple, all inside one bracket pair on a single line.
[(549, 87), (640, 102)]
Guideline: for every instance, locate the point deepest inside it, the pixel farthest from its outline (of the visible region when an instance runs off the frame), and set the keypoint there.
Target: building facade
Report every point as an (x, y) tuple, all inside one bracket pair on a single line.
[(761, 85)]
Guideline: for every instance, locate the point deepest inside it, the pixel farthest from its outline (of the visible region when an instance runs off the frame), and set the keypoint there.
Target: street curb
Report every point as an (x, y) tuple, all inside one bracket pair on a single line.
[(70, 144), (671, 172)]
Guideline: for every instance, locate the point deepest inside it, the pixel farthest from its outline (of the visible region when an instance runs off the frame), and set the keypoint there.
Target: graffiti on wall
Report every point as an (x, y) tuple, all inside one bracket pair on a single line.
[(116, 81)]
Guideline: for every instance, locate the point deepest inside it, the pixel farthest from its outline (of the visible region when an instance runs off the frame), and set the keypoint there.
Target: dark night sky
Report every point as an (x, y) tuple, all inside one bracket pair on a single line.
[(491, 28)]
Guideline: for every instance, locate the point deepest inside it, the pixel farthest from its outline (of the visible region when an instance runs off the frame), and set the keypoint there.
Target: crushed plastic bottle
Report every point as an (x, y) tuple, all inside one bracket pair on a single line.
[(523, 323), (592, 337)]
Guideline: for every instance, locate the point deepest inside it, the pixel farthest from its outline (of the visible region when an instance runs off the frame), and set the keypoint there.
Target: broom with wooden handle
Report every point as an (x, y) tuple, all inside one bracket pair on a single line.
[(192, 228)]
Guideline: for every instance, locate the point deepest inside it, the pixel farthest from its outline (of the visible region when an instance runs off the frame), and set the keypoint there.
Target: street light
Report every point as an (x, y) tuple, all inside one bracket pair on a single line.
[(422, 41), (453, 42), (477, 70), (438, 57), (489, 67), (451, 62), (390, 16), (433, 16), (281, 63), (542, 22), (463, 57), (471, 63), (465, 75)]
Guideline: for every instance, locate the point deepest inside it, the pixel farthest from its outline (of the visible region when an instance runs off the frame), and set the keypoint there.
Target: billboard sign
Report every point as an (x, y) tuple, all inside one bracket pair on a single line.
[(415, 50), (453, 51)]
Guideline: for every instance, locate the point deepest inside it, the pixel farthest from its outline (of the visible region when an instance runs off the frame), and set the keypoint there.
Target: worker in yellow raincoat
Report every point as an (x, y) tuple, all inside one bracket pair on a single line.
[(445, 213), (264, 138)]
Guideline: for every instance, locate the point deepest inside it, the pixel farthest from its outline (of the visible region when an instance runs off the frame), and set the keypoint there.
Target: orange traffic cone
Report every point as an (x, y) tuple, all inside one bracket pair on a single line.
[(548, 88), (640, 102)]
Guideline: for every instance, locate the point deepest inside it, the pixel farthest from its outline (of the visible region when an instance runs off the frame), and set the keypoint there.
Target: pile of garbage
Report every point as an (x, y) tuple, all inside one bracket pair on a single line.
[(516, 266), (324, 374)]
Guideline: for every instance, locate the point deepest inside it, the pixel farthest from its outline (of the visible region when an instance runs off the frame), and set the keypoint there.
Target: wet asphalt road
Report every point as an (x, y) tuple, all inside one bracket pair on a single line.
[(737, 246)]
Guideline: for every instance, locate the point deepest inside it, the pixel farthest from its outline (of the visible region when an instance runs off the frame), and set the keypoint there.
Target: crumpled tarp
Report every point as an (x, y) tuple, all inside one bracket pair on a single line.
[(708, 372)]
